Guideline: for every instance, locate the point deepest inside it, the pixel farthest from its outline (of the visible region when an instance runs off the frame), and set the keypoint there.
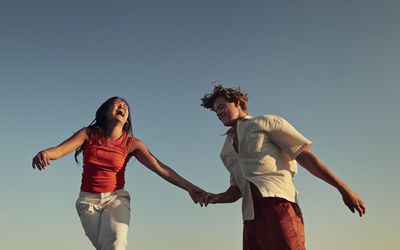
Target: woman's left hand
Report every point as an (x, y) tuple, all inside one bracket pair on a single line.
[(197, 194)]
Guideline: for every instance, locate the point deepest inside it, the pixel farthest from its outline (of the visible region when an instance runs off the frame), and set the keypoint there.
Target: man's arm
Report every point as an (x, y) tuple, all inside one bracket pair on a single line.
[(317, 168), (232, 194)]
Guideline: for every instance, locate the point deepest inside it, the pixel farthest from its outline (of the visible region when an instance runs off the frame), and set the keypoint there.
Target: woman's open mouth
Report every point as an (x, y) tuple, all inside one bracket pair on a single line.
[(121, 112)]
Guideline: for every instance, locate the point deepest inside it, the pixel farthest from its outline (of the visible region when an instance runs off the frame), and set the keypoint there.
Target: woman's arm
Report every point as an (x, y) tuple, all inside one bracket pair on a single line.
[(43, 158), (316, 167), (144, 156)]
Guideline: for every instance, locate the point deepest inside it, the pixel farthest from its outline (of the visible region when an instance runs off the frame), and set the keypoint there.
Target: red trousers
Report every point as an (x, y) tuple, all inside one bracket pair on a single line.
[(278, 225)]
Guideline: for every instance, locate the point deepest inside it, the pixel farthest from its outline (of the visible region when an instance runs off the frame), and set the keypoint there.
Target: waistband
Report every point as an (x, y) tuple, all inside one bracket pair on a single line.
[(101, 195)]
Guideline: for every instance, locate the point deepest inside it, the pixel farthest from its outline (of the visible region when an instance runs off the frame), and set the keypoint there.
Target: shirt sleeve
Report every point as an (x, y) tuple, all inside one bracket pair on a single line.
[(286, 137), (232, 179), (229, 164)]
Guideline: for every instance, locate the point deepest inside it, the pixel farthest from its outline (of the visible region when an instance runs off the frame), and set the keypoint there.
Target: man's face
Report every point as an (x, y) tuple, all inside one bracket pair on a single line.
[(227, 112)]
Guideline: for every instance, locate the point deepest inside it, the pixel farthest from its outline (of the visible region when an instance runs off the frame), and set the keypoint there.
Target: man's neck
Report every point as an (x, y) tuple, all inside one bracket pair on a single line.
[(232, 128), (241, 117)]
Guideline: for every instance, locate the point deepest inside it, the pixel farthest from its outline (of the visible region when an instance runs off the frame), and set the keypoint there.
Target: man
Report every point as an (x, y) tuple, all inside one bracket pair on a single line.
[(261, 154)]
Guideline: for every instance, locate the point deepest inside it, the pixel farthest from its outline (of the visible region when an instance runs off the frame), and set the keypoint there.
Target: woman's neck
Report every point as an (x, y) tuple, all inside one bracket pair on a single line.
[(115, 132)]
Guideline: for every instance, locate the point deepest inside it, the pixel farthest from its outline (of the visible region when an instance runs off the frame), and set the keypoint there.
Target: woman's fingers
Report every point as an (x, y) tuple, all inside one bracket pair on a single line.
[(40, 161)]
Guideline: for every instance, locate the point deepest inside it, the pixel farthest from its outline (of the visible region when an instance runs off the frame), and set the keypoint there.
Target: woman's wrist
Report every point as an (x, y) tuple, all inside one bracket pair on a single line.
[(343, 188)]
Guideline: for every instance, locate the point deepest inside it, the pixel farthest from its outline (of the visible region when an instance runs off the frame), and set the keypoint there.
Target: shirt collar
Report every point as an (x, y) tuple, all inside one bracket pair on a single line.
[(246, 118), (230, 130)]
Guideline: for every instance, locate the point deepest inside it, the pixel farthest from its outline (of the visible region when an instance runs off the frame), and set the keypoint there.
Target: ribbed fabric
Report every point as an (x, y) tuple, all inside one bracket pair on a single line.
[(268, 146), (104, 164)]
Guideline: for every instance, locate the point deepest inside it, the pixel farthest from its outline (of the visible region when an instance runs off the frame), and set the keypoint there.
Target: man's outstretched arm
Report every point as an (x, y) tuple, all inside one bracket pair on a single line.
[(317, 168)]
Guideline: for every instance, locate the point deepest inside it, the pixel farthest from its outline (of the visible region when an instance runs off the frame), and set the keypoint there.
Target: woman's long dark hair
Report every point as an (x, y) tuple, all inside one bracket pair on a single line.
[(99, 125)]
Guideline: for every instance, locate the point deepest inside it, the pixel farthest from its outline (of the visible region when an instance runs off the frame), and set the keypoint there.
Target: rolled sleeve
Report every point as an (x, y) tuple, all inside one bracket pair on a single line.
[(286, 137)]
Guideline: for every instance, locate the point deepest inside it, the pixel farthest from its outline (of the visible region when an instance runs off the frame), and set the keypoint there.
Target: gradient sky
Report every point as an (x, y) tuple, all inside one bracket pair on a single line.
[(331, 68)]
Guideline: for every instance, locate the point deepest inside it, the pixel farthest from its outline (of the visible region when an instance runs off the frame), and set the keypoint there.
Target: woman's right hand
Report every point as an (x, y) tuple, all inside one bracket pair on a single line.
[(40, 161)]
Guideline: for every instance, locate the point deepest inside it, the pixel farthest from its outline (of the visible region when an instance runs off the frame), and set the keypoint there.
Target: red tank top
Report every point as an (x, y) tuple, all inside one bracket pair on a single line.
[(104, 164)]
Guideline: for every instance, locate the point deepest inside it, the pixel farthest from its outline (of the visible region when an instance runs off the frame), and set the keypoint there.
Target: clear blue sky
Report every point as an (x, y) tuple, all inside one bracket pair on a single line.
[(329, 67)]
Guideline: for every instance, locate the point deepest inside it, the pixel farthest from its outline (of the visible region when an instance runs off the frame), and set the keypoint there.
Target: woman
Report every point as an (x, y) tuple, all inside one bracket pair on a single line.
[(107, 145)]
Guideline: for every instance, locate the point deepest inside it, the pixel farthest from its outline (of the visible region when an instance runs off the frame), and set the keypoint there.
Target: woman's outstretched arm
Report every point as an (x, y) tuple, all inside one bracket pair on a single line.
[(43, 158), (144, 156)]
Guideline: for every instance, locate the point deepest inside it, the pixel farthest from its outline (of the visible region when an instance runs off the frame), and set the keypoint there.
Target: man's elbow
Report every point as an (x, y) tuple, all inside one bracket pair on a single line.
[(237, 196), (304, 158)]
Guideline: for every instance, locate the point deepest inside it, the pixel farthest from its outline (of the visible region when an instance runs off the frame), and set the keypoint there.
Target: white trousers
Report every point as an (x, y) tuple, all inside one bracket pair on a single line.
[(105, 218)]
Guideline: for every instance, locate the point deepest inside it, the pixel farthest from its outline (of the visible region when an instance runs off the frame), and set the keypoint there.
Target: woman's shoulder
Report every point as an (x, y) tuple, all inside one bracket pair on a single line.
[(85, 131), (89, 131), (133, 144), (128, 136), (136, 142)]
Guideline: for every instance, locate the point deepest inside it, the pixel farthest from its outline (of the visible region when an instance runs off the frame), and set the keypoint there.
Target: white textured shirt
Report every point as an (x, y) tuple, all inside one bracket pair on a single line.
[(267, 148)]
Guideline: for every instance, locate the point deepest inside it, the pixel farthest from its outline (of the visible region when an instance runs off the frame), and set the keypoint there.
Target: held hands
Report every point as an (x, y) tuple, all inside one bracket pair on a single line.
[(40, 161), (353, 201), (197, 194), (202, 197), (210, 198)]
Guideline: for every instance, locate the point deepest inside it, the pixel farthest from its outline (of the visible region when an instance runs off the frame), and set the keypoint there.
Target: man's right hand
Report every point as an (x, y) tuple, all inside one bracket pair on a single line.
[(211, 198)]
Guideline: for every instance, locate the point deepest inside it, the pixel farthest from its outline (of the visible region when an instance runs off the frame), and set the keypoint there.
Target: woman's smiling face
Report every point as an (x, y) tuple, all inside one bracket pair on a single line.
[(118, 111)]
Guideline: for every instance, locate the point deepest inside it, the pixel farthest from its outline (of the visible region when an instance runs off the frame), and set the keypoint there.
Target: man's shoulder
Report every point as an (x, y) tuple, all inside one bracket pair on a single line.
[(267, 122), (266, 118)]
